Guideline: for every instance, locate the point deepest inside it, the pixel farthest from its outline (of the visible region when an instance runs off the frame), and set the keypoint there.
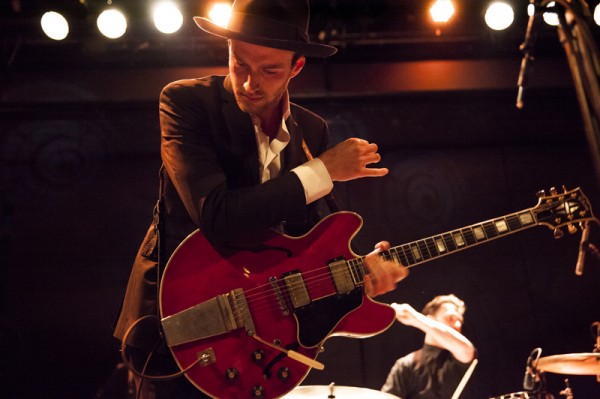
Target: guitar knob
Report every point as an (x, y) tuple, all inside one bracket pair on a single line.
[(553, 191), (572, 229), (558, 233), (232, 374), (540, 194), (257, 392), (283, 373), (258, 356)]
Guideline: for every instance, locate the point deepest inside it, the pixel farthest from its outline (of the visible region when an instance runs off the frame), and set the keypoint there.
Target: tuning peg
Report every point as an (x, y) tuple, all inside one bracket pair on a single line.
[(572, 228), (541, 193), (565, 189), (553, 191), (558, 233)]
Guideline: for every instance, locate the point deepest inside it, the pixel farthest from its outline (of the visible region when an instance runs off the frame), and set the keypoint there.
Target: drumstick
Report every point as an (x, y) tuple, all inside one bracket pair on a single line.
[(464, 380)]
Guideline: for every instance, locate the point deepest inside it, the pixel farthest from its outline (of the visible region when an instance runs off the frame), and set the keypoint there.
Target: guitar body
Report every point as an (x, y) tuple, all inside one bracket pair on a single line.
[(241, 366)]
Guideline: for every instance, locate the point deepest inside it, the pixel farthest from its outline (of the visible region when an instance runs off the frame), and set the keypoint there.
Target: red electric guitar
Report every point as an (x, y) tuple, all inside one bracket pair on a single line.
[(250, 321)]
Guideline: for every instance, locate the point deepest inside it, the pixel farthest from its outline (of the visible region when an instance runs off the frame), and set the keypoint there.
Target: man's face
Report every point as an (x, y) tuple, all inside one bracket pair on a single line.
[(450, 316), (260, 76)]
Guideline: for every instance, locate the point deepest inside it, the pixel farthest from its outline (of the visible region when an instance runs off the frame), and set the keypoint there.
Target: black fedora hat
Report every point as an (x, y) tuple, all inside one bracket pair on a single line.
[(281, 24)]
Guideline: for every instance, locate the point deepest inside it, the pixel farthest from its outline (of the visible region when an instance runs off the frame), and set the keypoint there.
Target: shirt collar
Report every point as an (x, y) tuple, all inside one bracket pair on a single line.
[(283, 134)]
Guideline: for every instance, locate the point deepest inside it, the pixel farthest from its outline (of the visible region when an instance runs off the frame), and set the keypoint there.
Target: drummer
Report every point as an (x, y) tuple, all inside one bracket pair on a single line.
[(437, 369)]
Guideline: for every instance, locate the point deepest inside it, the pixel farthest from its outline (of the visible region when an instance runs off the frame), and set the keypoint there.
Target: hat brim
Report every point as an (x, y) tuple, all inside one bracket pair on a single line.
[(307, 49)]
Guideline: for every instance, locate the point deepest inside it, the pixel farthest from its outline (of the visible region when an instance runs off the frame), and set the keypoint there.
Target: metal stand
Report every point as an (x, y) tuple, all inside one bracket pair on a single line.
[(584, 62)]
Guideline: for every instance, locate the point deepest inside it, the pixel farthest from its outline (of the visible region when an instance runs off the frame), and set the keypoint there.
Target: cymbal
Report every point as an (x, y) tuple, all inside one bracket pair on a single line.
[(572, 363), (339, 392)]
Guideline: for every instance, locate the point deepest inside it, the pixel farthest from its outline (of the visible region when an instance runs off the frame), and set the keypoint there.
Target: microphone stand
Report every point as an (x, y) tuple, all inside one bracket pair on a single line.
[(527, 49), (583, 59), (585, 246)]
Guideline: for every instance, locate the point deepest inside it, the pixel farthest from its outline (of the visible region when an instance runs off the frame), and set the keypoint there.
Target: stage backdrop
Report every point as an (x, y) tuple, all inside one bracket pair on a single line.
[(79, 180)]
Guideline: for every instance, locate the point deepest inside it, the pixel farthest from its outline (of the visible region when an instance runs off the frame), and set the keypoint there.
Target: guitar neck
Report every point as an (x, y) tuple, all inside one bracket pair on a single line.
[(426, 249)]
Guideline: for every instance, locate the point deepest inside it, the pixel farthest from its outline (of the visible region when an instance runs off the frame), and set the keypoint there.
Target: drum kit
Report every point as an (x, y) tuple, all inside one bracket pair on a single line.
[(567, 364)]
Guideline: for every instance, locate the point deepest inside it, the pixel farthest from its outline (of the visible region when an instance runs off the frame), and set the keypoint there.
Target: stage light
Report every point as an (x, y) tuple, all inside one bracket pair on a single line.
[(441, 11), (167, 17), (220, 14), (54, 25), (597, 14), (112, 23), (499, 16), (551, 18)]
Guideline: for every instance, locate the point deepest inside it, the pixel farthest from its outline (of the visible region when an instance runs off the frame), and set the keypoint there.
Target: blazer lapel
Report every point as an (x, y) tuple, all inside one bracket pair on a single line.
[(240, 136), (294, 154)]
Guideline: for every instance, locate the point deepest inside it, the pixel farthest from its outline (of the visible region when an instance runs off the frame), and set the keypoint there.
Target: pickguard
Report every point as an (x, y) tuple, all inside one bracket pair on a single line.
[(317, 320)]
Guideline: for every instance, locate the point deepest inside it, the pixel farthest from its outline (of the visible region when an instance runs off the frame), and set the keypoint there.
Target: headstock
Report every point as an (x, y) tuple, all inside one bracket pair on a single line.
[(558, 210)]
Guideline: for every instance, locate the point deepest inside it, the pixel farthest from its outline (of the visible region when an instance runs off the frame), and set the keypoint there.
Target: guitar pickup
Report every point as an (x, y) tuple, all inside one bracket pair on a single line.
[(342, 276), (296, 290), (218, 315)]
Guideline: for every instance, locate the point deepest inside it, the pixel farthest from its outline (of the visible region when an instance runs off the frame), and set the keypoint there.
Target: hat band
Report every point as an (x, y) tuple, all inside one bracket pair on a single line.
[(253, 25)]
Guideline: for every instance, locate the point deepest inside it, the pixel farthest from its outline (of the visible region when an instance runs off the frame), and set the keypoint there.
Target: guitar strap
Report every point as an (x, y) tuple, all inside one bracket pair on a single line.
[(159, 228)]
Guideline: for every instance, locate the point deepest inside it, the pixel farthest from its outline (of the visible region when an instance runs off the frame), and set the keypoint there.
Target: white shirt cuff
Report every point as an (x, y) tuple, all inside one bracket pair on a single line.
[(315, 179)]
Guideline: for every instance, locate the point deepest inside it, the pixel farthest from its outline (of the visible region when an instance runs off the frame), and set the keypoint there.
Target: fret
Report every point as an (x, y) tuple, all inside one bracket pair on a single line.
[(424, 249), (450, 244), (469, 236), (386, 255), (490, 229), (513, 222), (410, 259), (356, 270), (399, 255), (431, 247)]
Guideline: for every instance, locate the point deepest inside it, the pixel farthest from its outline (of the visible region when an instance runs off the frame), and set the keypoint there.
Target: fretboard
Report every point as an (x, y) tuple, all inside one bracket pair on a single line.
[(426, 249)]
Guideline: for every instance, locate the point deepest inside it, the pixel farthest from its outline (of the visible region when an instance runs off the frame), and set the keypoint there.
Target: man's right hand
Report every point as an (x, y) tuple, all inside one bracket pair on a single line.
[(349, 160)]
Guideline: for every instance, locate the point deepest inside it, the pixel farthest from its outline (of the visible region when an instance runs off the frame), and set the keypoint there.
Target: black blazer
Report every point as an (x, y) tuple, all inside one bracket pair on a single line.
[(210, 181)]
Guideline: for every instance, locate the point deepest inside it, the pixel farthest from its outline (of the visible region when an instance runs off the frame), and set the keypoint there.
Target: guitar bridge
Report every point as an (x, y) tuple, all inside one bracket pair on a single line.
[(218, 315)]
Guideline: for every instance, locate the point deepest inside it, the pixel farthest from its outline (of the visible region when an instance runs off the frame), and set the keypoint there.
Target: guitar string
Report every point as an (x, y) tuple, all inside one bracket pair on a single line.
[(264, 300), (426, 248), (312, 283), (402, 254)]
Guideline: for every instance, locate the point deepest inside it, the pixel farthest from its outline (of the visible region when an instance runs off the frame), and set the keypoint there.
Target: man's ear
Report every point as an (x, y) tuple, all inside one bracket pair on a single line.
[(300, 62)]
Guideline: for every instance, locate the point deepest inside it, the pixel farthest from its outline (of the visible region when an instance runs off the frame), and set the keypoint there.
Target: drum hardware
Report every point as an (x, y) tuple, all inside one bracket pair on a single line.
[(534, 380), (568, 392), (515, 395)]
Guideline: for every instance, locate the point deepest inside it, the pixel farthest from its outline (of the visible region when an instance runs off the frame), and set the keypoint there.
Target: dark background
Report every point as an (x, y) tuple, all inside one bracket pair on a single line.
[(79, 158)]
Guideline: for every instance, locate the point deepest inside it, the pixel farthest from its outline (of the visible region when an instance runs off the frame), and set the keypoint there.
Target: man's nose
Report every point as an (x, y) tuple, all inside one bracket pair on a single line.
[(252, 82)]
